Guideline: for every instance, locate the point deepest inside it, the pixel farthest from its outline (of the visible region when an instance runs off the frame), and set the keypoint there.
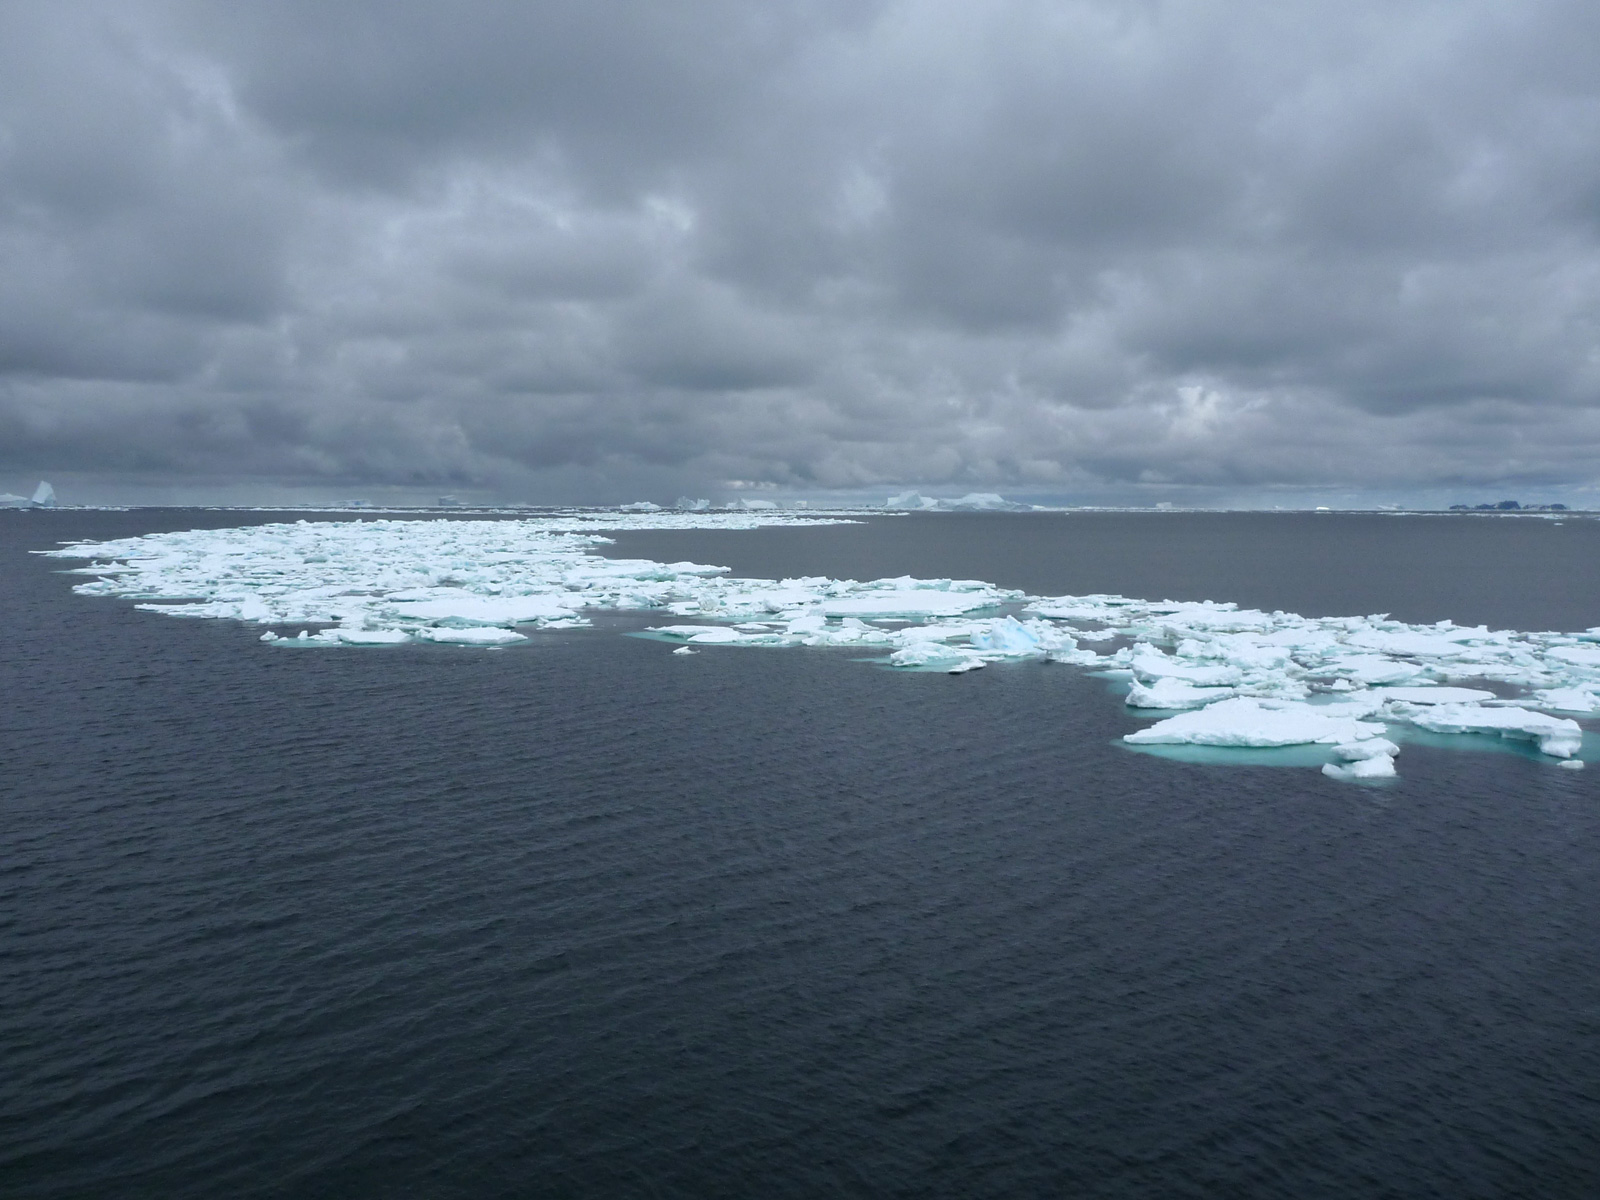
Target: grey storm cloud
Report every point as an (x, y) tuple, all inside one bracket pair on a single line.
[(573, 250)]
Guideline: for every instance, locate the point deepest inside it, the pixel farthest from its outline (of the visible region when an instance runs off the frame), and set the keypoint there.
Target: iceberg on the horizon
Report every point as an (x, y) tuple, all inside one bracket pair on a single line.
[(971, 502), (44, 496)]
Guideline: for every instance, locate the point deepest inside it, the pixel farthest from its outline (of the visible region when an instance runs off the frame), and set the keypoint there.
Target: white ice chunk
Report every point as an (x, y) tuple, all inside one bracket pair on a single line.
[(1149, 664), (1171, 692), (1379, 766), (468, 609), (935, 655), (1436, 695), (1243, 721), (1415, 644), (1008, 637), (925, 602), (1568, 699), (480, 635), (1581, 656), (1560, 737), (703, 634), (365, 637), (1370, 669), (1375, 747)]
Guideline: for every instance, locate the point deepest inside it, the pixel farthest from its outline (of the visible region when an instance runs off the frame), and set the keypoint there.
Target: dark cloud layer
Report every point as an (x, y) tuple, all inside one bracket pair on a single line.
[(579, 251)]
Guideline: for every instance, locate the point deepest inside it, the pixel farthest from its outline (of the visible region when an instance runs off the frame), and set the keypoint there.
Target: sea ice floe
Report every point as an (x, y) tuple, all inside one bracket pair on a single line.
[(1170, 692), (1568, 699), (1234, 677), (1560, 737), (1436, 695), (1245, 722)]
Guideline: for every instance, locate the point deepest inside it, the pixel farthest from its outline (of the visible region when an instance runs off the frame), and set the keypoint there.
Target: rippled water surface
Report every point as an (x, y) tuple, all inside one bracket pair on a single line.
[(587, 918)]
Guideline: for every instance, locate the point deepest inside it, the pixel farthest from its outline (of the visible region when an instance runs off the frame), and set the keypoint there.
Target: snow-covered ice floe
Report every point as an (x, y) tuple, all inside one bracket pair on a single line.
[(1214, 674)]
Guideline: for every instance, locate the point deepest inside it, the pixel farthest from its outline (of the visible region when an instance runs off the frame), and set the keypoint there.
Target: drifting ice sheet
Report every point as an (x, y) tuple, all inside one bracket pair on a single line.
[(1248, 678)]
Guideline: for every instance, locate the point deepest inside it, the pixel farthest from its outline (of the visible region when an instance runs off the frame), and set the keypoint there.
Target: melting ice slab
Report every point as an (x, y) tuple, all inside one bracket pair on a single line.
[(1249, 722), (1227, 677)]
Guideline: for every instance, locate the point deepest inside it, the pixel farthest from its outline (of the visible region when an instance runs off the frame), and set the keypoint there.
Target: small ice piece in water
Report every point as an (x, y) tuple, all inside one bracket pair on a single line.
[(1380, 766), (1369, 759), (1376, 747), (703, 634), (366, 637), (1248, 722), (1571, 764), (685, 650), (930, 653), (479, 635)]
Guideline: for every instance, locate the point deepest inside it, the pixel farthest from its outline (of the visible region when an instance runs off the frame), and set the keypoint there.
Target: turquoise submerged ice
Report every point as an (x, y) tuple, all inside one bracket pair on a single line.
[(1216, 675)]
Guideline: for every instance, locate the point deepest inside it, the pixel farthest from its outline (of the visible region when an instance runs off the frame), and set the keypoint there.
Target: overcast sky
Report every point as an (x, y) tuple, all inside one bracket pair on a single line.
[(599, 251)]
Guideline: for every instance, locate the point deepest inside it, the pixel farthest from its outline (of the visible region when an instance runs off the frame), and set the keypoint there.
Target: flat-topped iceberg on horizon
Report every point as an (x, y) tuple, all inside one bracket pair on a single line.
[(1212, 674), (971, 502)]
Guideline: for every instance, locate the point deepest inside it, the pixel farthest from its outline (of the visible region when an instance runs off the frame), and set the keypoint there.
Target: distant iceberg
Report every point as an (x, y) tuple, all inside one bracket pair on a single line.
[(1202, 673), (44, 496), (971, 502)]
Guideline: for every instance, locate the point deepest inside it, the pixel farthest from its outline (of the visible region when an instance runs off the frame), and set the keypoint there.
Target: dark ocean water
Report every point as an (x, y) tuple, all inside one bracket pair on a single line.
[(588, 919)]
